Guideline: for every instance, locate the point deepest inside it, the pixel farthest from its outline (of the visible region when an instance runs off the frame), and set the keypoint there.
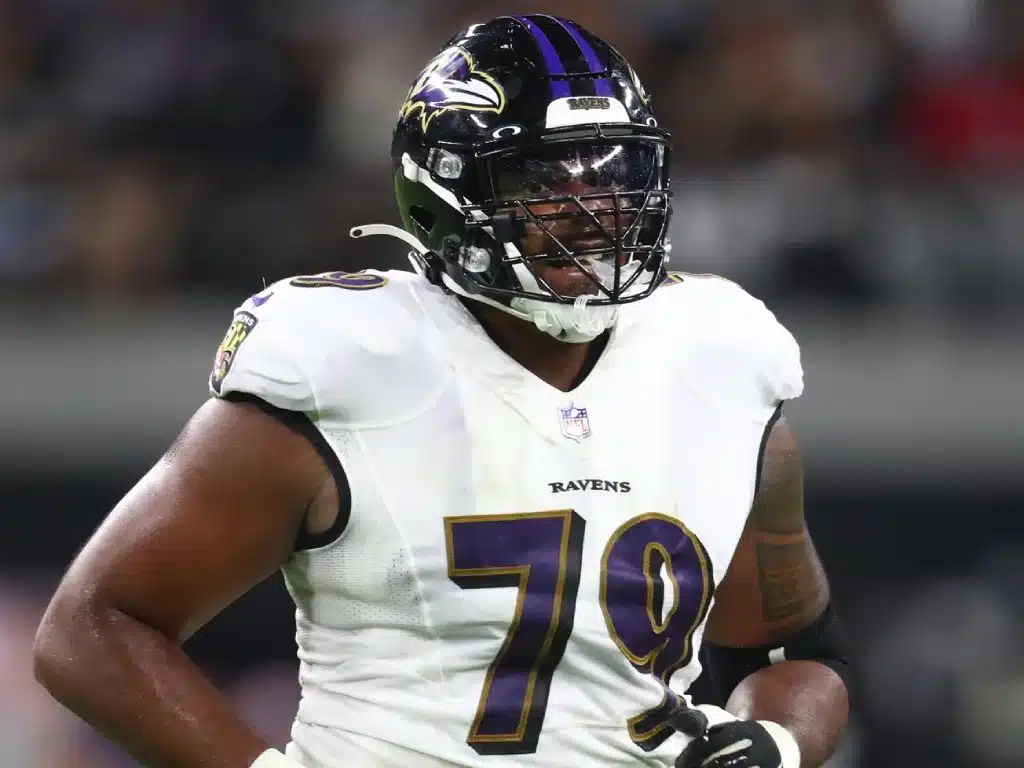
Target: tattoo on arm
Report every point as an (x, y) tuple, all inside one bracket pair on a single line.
[(790, 576)]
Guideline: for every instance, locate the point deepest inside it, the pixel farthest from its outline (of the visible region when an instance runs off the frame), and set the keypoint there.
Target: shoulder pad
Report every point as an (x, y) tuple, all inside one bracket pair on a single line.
[(268, 348), (258, 353), (328, 344), (737, 325)]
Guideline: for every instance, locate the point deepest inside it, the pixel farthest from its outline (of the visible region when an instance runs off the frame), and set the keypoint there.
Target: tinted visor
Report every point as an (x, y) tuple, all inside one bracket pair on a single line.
[(574, 169)]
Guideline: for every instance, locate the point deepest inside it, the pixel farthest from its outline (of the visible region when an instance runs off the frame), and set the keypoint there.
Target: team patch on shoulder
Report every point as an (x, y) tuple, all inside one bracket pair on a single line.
[(238, 332), (353, 281)]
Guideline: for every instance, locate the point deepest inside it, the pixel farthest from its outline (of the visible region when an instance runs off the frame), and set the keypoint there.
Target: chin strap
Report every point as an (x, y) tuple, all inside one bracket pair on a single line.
[(574, 323)]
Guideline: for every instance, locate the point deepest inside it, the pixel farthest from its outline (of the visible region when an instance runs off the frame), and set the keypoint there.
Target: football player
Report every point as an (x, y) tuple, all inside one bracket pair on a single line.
[(511, 492)]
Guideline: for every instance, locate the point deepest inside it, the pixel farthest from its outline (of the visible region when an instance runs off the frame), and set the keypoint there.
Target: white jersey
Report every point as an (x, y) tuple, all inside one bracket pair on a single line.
[(525, 573)]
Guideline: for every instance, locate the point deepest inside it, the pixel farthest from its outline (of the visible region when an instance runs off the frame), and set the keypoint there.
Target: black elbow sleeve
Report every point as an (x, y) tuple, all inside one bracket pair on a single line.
[(822, 641)]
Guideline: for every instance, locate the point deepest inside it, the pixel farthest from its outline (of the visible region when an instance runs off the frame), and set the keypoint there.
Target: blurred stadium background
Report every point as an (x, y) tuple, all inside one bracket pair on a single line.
[(855, 163)]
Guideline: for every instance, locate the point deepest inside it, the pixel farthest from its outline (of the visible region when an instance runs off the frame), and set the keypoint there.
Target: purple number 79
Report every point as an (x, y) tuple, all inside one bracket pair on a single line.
[(540, 554)]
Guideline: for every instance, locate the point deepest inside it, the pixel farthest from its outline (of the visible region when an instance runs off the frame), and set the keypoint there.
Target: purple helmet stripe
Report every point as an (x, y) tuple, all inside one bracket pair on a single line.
[(559, 88), (602, 86)]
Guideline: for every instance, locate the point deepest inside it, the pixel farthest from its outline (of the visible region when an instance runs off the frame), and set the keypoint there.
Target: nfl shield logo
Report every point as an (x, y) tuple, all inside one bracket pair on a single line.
[(575, 424)]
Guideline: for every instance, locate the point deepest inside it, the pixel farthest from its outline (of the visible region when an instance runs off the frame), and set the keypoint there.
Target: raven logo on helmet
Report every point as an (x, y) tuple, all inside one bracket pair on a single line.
[(451, 82)]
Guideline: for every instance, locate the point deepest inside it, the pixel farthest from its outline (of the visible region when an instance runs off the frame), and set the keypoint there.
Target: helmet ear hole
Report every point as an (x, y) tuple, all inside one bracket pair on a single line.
[(422, 217)]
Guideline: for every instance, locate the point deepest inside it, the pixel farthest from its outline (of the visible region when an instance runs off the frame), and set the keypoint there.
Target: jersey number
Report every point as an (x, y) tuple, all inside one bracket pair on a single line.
[(541, 555)]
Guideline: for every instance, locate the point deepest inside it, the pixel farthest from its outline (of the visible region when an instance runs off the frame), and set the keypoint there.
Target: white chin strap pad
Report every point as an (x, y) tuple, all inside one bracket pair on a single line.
[(572, 323)]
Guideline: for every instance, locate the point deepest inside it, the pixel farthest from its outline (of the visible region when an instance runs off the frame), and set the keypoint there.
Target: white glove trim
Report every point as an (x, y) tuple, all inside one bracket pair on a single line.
[(274, 759), (787, 745)]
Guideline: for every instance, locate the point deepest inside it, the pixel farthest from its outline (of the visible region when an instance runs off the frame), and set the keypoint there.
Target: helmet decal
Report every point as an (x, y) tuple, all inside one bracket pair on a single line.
[(554, 61), (560, 89), (602, 86), (451, 82)]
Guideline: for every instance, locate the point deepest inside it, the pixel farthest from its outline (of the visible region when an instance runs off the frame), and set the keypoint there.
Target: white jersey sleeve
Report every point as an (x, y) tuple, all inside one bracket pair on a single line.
[(343, 348), (777, 353), (262, 353), (735, 342), (772, 350)]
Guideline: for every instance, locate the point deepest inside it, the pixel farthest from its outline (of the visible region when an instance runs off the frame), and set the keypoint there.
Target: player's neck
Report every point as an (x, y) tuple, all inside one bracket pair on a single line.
[(559, 364)]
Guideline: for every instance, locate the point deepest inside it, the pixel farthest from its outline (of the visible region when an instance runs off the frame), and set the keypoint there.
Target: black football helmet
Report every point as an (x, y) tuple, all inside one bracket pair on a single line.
[(531, 174)]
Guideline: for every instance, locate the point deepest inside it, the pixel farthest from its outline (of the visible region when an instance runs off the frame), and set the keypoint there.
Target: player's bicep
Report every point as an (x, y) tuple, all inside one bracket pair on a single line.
[(776, 584), (216, 515)]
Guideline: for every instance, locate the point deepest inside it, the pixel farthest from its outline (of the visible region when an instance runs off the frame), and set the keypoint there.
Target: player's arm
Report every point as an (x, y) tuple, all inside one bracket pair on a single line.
[(217, 514), (773, 644)]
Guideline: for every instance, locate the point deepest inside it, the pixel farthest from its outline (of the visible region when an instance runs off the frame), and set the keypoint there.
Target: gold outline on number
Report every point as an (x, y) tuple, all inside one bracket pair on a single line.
[(361, 280), (651, 658), (649, 576), (524, 575)]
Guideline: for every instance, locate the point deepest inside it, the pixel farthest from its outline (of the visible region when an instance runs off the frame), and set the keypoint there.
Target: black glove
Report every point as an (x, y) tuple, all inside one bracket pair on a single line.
[(742, 744)]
